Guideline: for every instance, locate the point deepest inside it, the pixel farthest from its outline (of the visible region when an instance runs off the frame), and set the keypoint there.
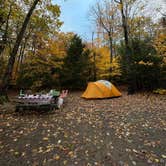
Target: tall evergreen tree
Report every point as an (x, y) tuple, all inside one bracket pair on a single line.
[(74, 74)]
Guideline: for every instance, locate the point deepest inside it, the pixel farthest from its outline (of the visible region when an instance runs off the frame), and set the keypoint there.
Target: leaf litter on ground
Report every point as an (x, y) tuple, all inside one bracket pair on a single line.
[(129, 130)]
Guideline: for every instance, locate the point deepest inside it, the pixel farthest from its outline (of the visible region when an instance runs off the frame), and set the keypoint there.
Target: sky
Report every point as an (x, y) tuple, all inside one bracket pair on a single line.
[(74, 14)]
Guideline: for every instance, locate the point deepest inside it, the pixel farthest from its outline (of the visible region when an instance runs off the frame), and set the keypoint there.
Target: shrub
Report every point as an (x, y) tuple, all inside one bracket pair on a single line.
[(36, 77)]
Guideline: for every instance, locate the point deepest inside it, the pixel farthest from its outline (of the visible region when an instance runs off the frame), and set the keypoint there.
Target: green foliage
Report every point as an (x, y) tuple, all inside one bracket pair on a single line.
[(163, 75), (75, 70), (146, 73), (2, 66), (49, 59), (2, 99), (40, 77), (145, 68), (41, 71)]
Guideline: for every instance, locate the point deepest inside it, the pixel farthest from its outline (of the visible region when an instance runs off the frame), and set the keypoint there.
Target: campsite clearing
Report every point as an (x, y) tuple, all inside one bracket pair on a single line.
[(129, 130)]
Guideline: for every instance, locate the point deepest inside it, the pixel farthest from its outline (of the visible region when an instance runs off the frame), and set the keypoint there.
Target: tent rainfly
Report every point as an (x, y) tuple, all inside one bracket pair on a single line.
[(101, 89)]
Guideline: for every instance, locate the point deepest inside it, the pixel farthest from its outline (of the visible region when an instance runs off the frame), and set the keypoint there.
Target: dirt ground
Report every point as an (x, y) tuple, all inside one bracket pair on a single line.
[(125, 131)]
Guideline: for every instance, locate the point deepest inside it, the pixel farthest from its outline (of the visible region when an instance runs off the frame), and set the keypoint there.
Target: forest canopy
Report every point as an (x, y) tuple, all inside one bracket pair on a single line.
[(128, 46)]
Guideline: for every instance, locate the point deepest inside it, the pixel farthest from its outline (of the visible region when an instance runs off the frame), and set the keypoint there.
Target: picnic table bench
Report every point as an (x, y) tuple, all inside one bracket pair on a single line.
[(37, 102)]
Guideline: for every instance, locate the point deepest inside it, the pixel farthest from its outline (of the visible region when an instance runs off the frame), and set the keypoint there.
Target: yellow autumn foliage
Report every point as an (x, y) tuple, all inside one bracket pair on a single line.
[(145, 63), (160, 91), (160, 44), (105, 69)]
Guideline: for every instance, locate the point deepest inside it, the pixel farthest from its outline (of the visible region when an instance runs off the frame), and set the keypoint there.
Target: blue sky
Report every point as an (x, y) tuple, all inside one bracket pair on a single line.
[(74, 14)]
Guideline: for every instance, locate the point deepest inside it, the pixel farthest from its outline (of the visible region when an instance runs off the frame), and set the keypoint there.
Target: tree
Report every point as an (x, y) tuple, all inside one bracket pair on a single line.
[(9, 69), (160, 38), (75, 73), (125, 12), (5, 35), (45, 65), (103, 64), (42, 28), (105, 16), (125, 28), (13, 13)]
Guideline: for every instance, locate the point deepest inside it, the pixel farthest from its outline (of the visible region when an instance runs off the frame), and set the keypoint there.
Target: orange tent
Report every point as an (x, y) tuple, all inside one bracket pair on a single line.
[(101, 89)]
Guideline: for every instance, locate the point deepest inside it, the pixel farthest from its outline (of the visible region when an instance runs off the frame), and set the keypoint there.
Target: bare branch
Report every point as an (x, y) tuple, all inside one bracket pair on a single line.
[(117, 1)]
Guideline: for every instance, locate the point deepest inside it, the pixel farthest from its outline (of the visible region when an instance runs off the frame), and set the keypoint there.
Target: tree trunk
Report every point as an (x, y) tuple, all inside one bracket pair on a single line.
[(18, 61), (111, 46), (21, 55), (127, 50), (8, 73), (125, 29), (5, 36), (94, 59)]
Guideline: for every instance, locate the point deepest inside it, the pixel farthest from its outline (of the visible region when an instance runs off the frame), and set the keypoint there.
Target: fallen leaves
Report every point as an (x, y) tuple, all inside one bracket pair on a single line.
[(126, 130), (65, 162), (45, 138), (71, 154), (56, 157), (163, 156), (151, 143)]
